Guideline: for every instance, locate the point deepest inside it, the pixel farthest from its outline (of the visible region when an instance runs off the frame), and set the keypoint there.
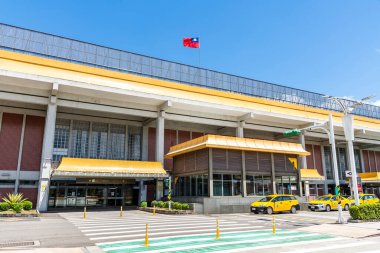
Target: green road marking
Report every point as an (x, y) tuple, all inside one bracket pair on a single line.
[(235, 243), (185, 237)]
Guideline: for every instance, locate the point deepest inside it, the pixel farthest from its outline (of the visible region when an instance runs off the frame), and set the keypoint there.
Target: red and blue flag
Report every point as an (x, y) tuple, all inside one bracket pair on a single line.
[(191, 42)]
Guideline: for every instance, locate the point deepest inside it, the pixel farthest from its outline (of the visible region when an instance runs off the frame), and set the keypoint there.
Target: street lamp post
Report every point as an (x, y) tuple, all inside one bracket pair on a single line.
[(348, 122)]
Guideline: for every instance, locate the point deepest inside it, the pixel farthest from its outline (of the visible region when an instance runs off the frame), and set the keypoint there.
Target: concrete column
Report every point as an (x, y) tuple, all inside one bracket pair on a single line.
[(160, 132), (17, 183), (243, 176), (240, 129), (142, 191), (302, 164), (47, 155), (144, 155), (1, 119), (361, 159), (273, 175), (210, 174)]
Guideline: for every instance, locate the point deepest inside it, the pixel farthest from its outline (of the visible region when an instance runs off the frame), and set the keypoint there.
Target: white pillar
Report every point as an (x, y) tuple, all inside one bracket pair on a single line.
[(142, 191), (210, 174), (240, 129), (160, 133), (302, 165), (47, 155), (17, 183)]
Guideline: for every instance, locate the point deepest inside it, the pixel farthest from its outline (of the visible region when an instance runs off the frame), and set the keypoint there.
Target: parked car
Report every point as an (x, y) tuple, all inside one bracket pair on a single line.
[(276, 203), (365, 198), (328, 202)]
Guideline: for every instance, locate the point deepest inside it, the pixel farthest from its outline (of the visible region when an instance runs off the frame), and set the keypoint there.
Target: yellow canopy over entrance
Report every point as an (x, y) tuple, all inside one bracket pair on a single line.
[(227, 142), (84, 167), (370, 176), (311, 175)]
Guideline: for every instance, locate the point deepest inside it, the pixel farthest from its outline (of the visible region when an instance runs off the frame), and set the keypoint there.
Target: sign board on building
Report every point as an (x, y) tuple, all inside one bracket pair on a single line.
[(348, 173)]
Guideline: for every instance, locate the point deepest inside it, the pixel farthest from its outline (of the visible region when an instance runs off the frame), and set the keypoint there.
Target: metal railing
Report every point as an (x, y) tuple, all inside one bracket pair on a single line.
[(51, 46)]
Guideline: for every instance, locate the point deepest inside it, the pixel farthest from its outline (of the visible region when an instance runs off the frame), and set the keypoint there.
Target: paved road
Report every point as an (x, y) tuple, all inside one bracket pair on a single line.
[(196, 233)]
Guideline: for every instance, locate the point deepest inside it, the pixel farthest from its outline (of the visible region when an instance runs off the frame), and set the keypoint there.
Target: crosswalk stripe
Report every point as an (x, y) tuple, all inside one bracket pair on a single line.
[(282, 245), (159, 233), (154, 225), (192, 236), (331, 247), (221, 244), (159, 242)]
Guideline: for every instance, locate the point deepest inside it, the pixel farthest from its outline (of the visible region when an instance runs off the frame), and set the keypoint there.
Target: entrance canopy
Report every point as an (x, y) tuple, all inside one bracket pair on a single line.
[(236, 143), (370, 177), (311, 175), (84, 167)]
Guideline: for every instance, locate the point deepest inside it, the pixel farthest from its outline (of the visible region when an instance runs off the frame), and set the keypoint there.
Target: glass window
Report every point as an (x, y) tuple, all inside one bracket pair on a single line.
[(79, 139), (199, 186), (99, 137), (218, 185), (61, 139), (328, 163), (267, 188), (117, 142), (227, 185), (134, 143), (205, 185), (236, 184), (193, 185)]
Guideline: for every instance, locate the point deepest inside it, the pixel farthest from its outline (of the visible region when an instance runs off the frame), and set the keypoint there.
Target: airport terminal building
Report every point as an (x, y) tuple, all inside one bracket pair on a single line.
[(87, 125)]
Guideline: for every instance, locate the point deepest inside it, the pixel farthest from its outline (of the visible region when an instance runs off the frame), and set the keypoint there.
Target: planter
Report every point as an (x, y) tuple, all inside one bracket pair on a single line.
[(362, 221), (165, 211), (28, 214)]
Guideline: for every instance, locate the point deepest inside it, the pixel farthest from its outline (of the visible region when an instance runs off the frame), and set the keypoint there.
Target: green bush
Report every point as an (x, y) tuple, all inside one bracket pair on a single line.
[(176, 205), (154, 203), (4, 206), (161, 204), (27, 205), (167, 204), (185, 206), (365, 212), (14, 198), (143, 204), (17, 207)]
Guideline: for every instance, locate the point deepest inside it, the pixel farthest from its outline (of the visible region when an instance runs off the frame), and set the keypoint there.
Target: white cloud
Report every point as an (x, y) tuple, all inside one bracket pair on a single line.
[(377, 103)]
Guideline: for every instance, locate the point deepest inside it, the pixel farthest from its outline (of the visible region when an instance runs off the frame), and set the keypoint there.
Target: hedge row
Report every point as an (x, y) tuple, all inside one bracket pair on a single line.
[(162, 204), (365, 212), (17, 207)]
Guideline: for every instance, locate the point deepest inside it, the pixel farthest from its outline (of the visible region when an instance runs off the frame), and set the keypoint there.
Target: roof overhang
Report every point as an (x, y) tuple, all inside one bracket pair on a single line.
[(236, 143), (311, 175), (101, 168), (370, 177)]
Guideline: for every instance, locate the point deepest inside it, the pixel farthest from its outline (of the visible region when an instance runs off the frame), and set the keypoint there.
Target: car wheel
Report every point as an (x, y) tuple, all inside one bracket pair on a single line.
[(256, 212), (346, 207), (293, 209), (269, 210), (328, 208)]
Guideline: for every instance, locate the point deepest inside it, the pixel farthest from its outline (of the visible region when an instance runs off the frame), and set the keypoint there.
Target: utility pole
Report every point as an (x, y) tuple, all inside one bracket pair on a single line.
[(348, 126)]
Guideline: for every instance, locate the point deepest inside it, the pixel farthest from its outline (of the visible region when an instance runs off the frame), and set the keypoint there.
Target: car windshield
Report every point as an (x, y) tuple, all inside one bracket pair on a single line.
[(266, 199), (324, 198)]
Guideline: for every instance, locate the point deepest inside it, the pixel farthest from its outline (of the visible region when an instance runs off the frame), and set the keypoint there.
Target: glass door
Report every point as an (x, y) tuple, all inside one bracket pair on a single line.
[(114, 196)]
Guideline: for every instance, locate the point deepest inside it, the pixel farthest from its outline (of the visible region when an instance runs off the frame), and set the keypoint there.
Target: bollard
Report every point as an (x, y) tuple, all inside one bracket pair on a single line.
[(217, 229), (273, 224), (146, 236), (84, 213), (121, 211), (154, 210)]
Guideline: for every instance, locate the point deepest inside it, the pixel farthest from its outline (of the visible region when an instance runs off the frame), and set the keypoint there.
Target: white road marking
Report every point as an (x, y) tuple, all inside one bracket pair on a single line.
[(331, 247)]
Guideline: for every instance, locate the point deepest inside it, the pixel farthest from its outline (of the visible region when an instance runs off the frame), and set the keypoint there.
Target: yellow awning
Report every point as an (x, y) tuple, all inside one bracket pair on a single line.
[(370, 176), (227, 142), (311, 175), (84, 167)]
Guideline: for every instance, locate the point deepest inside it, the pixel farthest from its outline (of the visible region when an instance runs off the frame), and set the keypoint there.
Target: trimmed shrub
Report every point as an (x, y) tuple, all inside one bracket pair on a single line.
[(17, 207), (143, 204), (154, 203), (4, 206), (27, 205), (167, 204), (161, 204), (185, 206), (176, 205), (14, 198), (365, 212)]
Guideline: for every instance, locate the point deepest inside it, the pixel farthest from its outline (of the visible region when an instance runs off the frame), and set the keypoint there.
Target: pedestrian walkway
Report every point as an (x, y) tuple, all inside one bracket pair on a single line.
[(197, 233)]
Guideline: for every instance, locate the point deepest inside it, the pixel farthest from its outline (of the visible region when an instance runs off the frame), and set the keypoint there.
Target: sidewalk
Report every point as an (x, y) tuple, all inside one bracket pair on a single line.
[(90, 249), (353, 230)]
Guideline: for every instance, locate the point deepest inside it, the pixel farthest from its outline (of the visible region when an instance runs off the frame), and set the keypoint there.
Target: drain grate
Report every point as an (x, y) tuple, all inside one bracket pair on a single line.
[(18, 244)]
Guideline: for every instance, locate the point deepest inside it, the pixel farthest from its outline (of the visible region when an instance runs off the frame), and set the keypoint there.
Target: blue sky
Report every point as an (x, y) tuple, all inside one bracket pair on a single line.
[(326, 46)]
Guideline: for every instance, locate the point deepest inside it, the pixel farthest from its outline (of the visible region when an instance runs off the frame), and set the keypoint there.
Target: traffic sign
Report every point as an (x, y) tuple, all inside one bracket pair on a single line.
[(292, 132), (348, 173)]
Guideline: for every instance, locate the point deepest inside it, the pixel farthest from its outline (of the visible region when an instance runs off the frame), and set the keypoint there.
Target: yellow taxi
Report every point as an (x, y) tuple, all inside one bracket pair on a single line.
[(276, 203), (365, 199), (328, 202)]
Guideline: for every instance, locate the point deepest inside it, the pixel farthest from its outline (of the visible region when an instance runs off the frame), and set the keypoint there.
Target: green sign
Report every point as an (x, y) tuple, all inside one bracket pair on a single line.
[(337, 190), (292, 132)]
